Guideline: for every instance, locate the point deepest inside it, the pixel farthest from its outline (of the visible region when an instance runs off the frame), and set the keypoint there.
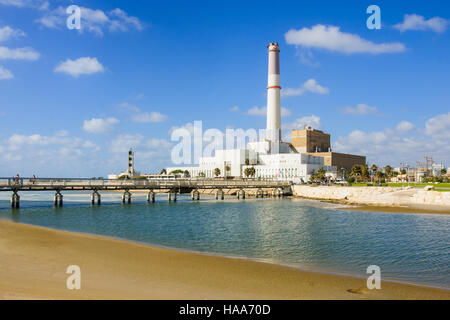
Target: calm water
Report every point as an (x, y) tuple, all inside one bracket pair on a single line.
[(310, 235)]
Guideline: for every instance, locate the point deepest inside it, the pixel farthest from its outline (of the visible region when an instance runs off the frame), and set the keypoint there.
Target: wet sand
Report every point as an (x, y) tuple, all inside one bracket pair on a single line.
[(33, 263), (399, 209)]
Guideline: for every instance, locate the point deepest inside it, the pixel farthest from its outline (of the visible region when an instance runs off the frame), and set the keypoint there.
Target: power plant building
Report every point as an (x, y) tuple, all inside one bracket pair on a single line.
[(271, 157), (317, 143)]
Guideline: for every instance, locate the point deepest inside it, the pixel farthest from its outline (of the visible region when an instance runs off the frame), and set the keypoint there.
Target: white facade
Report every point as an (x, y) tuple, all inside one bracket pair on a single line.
[(282, 166), (288, 166), (234, 159), (436, 168)]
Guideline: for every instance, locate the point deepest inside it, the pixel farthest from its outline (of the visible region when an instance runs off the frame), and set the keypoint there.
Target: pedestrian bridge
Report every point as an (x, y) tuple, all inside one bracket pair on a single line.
[(170, 186)]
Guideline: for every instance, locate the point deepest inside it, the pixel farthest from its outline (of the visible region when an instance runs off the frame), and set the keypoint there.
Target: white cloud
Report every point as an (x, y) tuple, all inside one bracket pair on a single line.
[(123, 142), (332, 39), (262, 112), (416, 22), (93, 20), (404, 126), (5, 74), (15, 3), (61, 138), (255, 111), (401, 144), (300, 123), (234, 109), (307, 57), (90, 145), (124, 21), (360, 109), (54, 155), (80, 66), (310, 85), (147, 148), (98, 125), (18, 54), (149, 117), (158, 143), (141, 117), (39, 4), (439, 127), (7, 33), (127, 107)]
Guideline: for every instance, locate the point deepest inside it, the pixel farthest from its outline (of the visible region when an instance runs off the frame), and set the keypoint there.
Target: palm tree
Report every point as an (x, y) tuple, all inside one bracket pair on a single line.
[(201, 174), (365, 174), (379, 176), (217, 172), (249, 172), (321, 174), (163, 171), (356, 172), (387, 171)]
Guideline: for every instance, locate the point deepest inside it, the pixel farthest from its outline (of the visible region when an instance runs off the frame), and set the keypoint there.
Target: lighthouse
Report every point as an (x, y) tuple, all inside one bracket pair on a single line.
[(273, 130)]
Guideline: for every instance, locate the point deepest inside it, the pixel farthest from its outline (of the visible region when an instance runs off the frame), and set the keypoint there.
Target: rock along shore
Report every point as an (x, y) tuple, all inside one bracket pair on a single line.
[(377, 196)]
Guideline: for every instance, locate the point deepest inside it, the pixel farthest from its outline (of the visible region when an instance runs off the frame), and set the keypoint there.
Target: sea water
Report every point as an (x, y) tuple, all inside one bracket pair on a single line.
[(311, 235)]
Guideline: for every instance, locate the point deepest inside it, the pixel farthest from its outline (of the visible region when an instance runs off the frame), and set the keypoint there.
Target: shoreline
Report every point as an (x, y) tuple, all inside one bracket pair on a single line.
[(377, 199), (117, 269), (344, 205)]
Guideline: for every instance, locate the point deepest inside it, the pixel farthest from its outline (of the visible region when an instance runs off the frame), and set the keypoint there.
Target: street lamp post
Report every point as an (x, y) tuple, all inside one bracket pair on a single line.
[(407, 173)]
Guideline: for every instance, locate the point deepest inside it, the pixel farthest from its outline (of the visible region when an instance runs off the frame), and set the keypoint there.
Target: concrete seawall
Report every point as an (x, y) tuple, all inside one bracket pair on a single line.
[(377, 196)]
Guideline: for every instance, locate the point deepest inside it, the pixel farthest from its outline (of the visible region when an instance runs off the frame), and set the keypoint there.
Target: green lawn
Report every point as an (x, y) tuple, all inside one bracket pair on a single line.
[(417, 185), (420, 185)]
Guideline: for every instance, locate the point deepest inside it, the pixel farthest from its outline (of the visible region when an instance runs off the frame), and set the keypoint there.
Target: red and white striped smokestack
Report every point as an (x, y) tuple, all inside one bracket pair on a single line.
[(273, 95)]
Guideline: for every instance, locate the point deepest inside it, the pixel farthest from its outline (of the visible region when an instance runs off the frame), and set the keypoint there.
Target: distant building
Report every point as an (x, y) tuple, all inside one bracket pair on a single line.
[(317, 143), (130, 172), (436, 169)]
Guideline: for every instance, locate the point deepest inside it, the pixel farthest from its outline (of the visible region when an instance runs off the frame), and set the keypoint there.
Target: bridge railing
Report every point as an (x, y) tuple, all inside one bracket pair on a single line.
[(17, 182)]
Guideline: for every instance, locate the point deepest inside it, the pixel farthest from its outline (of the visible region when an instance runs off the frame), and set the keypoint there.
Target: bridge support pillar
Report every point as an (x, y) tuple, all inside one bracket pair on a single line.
[(260, 193), (151, 196), (15, 200), (274, 193), (241, 193), (195, 195), (280, 193), (220, 193), (172, 195), (126, 197), (58, 199), (96, 196)]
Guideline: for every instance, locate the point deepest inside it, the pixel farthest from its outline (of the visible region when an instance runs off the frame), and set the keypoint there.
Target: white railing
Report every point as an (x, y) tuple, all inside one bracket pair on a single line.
[(37, 183)]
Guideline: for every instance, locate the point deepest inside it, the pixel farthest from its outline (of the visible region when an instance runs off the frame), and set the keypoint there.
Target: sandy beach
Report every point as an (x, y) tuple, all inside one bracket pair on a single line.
[(34, 260)]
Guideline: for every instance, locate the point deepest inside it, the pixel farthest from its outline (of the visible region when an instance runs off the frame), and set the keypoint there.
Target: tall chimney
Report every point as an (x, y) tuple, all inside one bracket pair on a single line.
[(273, 133)]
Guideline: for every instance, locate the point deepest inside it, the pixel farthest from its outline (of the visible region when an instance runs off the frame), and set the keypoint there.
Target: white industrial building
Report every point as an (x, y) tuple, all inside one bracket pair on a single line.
[(271, 158)]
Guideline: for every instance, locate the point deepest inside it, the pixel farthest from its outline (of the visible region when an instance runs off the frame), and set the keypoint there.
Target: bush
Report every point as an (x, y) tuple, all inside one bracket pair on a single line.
[(139, 178)]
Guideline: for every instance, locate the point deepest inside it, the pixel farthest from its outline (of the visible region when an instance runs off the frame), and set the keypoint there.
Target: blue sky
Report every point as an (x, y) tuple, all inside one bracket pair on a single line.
[(73, 101)]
